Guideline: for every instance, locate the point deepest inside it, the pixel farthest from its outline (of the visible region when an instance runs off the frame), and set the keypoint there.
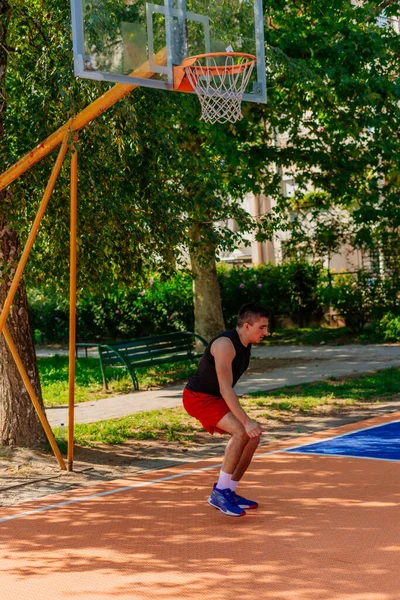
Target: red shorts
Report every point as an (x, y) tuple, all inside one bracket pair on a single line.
[(206, 408)]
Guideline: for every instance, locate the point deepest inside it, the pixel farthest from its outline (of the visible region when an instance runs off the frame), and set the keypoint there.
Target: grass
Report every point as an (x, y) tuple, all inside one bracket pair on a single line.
[(53, 373), (375, 387), (312, 336), (284, 404), (172, 424)]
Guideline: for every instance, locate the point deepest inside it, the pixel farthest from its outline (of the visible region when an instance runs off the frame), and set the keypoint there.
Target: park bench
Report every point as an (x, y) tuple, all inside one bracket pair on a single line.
[(148, 351)]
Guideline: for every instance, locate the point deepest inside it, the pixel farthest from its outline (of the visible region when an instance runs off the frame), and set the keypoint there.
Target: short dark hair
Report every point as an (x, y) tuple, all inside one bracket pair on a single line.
[(248, 313)]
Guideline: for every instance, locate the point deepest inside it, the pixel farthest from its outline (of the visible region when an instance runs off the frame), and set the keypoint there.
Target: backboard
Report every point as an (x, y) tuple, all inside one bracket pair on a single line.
[(140, 43)]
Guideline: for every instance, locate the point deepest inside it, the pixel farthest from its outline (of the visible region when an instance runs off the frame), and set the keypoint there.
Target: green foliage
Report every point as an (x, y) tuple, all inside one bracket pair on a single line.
[(298, 289), (319, 200), (318, 228), (389, 327), (291, 288), (124, 313), (163, 306), (149, 168), (42, 94), (157, 307), (334, 89), (361, 297)]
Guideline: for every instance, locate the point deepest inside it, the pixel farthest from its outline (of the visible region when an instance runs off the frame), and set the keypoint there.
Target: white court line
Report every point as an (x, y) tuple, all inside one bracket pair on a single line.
[(394, 460), (169, 477), (122, 489)]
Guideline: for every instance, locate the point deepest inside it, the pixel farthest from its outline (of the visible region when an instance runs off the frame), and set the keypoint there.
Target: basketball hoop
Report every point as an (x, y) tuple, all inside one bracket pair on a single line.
[(219, 79)]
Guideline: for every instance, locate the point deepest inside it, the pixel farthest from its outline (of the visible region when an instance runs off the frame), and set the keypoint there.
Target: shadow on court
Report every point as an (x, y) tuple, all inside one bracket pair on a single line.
[(327, 528)]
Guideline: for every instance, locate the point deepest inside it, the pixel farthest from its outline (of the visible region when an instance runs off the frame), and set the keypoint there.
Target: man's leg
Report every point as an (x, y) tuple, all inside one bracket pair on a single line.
[(236, 445), (245, 459), (221, 496), (240, 448), (238, 460)]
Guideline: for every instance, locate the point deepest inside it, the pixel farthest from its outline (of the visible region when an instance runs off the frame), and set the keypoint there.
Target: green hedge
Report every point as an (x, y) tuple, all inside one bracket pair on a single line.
[(297, 289), (292, 288), (158, 307), (363, 297), (163, 306), (388, 328)]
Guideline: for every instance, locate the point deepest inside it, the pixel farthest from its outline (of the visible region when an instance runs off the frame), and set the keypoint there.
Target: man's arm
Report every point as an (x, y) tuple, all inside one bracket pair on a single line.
[(224, 353)]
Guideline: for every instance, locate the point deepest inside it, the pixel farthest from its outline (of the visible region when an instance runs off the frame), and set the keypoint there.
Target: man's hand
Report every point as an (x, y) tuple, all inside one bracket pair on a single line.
[(253, 429)]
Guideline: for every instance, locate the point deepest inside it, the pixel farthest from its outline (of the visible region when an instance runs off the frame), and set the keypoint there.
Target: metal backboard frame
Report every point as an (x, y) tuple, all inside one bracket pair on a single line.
[(176, 17)]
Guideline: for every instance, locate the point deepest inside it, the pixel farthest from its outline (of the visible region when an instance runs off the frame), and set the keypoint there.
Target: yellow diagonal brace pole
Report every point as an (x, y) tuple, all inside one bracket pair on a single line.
[(72, 302), (33, 397), (89, 113), (92, 111), (31, 238)]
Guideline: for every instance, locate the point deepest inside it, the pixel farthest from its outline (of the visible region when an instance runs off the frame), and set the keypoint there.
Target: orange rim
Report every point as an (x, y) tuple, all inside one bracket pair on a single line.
[(189, 62)]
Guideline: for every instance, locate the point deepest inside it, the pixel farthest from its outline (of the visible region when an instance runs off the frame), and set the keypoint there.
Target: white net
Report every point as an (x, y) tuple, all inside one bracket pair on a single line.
[(219, 81)]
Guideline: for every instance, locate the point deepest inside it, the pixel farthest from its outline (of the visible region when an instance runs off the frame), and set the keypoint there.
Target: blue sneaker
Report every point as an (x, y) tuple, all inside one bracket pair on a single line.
[(243, 502), (240, 501), (224, 501)]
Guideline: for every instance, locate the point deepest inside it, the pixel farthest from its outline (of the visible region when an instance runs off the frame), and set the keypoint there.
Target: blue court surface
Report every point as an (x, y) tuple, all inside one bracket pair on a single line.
[(381, 442)]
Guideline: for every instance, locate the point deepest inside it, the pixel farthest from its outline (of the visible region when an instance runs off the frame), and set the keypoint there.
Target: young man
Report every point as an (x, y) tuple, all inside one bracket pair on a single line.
[(209, 397)]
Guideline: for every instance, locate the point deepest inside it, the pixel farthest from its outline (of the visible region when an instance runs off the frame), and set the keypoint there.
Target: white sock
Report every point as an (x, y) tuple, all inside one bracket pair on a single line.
[(224, 480), (233, 485)]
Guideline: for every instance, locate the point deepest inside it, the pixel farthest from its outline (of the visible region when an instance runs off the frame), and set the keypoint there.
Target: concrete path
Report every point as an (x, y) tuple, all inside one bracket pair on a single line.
[(44, 351), (330, 361)]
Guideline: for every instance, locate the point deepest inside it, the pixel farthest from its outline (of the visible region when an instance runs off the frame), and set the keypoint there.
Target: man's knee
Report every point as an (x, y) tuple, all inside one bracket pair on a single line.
[(254, 442), (234, 427), (241, 435)]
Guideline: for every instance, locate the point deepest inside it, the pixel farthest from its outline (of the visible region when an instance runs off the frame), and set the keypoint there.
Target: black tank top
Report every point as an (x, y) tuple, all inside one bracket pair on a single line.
[(205, 379)]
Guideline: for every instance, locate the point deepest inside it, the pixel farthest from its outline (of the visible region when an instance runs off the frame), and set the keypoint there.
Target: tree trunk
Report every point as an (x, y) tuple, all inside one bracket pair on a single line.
[(19, 424), (208, 317)]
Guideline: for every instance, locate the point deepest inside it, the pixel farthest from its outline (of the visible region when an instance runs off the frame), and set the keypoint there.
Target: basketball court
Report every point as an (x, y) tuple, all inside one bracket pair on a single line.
[(327, 528)]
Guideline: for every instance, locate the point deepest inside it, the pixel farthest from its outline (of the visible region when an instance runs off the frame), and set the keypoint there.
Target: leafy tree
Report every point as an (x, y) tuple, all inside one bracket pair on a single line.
[(114, 235), (334, 105), (133, 182), (333, 96), (18, 421), (334, 102), (318, 228)]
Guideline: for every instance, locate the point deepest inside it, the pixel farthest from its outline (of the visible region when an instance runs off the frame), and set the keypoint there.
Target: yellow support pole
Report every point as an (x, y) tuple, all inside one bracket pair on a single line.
[(33, 397), (92, 111), (72, 302), (89, 113), (35, 227)]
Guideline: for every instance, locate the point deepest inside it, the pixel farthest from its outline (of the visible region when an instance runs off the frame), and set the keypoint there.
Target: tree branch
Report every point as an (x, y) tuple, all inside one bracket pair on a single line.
[(384, 5)]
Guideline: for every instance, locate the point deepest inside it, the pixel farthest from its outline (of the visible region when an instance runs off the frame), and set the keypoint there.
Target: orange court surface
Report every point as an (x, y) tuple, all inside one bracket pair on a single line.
[(327, 528)]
